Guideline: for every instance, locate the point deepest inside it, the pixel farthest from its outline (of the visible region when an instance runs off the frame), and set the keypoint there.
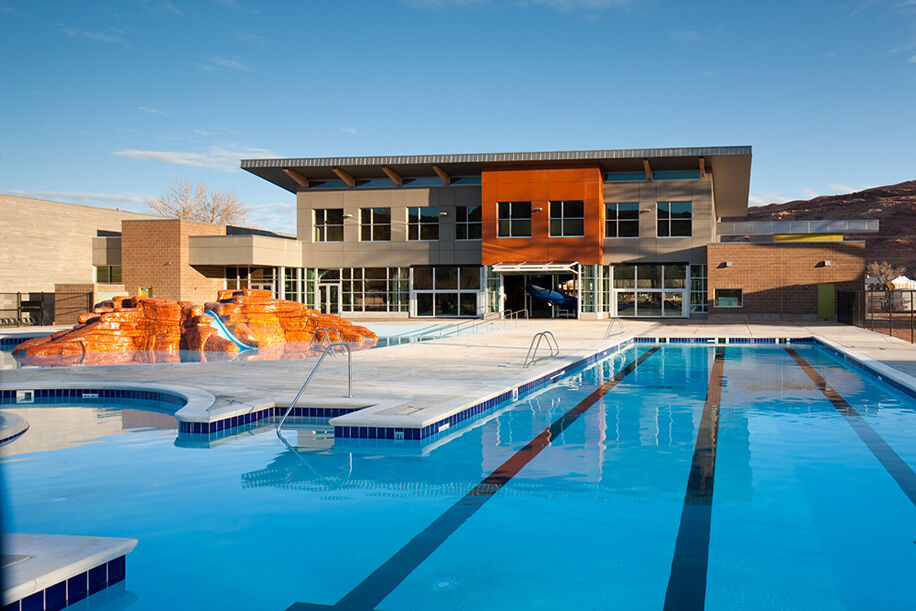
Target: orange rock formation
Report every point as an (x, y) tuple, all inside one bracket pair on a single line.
[(150, 330)]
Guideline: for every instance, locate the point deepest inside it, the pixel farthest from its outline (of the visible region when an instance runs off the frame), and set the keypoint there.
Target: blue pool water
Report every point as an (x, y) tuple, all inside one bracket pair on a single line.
[(802, 514)]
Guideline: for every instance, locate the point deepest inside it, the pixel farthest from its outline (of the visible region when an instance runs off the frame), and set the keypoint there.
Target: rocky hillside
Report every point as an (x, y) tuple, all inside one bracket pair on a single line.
[(894, 206)]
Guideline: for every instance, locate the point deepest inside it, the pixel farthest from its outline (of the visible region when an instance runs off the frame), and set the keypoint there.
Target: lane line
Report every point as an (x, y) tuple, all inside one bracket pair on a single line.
[(902, 473), (377, 586), (687, 581)]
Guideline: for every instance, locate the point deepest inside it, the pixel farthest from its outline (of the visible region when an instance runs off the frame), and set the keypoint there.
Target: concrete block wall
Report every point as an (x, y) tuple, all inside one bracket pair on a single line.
[(155, 254), (779, 280)]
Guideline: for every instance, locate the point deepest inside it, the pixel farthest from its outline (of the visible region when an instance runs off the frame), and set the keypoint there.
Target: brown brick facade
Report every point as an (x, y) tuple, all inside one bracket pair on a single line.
[(155, 254), (781, 279)]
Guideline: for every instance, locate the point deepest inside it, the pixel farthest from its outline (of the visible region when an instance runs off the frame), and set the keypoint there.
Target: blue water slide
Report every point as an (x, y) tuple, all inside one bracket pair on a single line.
[(225, 333), (555, 298)]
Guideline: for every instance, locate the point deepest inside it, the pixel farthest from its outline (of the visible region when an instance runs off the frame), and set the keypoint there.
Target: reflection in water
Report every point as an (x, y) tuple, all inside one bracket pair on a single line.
[(57, 427)]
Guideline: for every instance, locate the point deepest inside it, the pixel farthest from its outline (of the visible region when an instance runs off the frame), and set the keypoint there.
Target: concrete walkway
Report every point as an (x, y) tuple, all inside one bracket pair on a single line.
[(425, 380)]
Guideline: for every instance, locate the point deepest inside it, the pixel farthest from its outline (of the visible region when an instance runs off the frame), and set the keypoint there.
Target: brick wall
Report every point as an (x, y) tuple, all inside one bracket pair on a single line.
[(155, 254), (780, 279)]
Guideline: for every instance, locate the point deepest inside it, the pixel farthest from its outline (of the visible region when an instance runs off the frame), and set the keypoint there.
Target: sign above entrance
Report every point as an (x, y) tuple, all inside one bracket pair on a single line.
[(539, 268)]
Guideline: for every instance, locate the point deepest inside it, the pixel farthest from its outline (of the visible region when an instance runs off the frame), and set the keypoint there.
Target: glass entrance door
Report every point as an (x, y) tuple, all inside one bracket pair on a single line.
[(329, 298)]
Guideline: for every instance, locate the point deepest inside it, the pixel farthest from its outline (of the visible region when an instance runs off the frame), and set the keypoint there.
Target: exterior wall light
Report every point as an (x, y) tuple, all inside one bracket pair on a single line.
[(537, 209), (728, 264), (348, 216), (443, 213), (827, 263)]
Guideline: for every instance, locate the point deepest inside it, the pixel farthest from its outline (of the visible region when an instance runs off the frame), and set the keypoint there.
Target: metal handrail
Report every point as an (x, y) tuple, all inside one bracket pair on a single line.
[(468, 324), (516, 315), (335, 345), (547, 336), (327, 334), (610, 326)]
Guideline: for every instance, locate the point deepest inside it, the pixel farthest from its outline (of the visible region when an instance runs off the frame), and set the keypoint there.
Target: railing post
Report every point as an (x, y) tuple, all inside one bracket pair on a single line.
[(912, 336)]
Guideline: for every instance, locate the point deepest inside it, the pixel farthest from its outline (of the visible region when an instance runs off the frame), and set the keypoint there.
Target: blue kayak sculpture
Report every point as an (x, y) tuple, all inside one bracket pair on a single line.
[(555, 298)]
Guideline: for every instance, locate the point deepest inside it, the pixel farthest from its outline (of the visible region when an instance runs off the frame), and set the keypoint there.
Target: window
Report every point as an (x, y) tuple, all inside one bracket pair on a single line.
[(423, 223), (446, 290), (467, 223), (729, 298), (676, 175), (108, 274), (374, 289), (329, 225), (375, 224), (625, 177), (698, 289), (513, 220), (674, 219), (567, 219), (622, 220), (237, 278), (649, 290)]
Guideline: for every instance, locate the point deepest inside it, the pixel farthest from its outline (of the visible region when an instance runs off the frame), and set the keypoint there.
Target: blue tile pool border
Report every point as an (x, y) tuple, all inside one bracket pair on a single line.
[(221, 425), (73, 589)]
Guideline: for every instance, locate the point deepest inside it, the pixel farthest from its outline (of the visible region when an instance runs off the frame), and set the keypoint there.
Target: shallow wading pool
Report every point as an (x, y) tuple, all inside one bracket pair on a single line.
[(724, 476)]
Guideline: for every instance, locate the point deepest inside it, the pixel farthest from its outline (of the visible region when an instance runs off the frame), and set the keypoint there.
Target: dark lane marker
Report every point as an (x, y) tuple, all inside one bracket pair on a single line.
[(901, 472), (687, 582), (388, 576)]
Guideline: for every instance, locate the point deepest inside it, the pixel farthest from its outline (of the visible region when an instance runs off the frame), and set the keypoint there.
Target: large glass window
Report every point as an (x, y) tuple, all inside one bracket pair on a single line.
[(622, 220), (674, 219), (513, 219), (367, 289), (650, 290), (698, 288), (567, 219), (467, 223), (328, 225), (237, 278), (446, 290), (423, 223), (375, 224)]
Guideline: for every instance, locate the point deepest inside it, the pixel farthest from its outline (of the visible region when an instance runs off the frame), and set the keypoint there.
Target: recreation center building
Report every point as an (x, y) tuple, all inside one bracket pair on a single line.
[(649, 233)]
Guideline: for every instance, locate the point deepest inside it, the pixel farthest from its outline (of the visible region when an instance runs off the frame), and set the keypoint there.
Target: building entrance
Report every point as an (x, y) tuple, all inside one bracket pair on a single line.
[(543, 295)]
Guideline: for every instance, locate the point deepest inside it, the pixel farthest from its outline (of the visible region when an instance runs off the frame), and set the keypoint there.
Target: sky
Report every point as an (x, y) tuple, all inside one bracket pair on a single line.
[(106, 102)]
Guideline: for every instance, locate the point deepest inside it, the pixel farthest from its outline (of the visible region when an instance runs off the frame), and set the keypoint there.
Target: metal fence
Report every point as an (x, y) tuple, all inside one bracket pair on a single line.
[(24, 309), (890, 312)]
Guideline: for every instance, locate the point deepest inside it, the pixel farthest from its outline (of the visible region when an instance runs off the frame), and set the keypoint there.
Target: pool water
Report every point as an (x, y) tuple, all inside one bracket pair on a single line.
[(722, 477)]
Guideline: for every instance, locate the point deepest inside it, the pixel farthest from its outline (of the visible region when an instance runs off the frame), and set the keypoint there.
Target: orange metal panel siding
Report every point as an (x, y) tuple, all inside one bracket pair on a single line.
[(540, 187)]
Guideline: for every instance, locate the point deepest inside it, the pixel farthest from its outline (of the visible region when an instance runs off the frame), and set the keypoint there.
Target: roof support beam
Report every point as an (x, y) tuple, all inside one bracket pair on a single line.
[(702, 167), (347, 178), (298, 178), (394, 176), (446, 180), (647, 168)]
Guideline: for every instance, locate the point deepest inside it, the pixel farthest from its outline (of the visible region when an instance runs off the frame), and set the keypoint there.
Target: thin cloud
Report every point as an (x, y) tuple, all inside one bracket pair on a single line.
[(162, 7), (348, 130), (565, 6), (222, 63), (809, 193), (152, 111), (111, 36), (124, 199), (252, 38), (842, 189), (222, 158), (762, 198), (234, 5), (686, 35), (277, 216)]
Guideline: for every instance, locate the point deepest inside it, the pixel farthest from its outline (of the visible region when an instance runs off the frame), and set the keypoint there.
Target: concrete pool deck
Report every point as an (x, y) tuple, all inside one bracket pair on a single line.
[(413, 385)]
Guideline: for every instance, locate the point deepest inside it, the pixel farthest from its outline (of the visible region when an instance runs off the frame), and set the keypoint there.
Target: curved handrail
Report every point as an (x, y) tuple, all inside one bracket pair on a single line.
[(327, 334), (610, 326), (547, 336), (330, 347)]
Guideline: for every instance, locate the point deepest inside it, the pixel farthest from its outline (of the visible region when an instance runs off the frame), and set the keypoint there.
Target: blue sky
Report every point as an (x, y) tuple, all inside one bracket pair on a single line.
[(106, 102)]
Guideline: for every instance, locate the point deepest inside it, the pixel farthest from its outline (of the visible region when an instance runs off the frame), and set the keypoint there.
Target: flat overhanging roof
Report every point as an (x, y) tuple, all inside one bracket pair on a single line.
[(730, 167)]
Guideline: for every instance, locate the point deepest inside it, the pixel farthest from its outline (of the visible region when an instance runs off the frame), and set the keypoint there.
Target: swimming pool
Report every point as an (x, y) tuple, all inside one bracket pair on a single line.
[(730, 476)]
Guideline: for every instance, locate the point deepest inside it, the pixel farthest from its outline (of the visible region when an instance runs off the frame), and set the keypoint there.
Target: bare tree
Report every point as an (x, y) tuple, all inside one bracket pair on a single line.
[(884, 272), (182, 200)]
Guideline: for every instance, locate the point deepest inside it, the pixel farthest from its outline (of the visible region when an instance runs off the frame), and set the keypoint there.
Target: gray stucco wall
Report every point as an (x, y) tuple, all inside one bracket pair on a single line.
[(47, 243), (399, 251), (649, 247)]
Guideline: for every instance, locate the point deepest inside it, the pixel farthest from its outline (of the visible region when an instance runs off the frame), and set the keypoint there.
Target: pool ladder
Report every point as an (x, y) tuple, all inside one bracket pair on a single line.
[(330, 349), (548, 337), (610, 327), (327, 335)]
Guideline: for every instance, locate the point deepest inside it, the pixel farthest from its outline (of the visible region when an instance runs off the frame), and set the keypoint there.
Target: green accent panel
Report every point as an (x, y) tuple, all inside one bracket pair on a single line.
[(826, 301)]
